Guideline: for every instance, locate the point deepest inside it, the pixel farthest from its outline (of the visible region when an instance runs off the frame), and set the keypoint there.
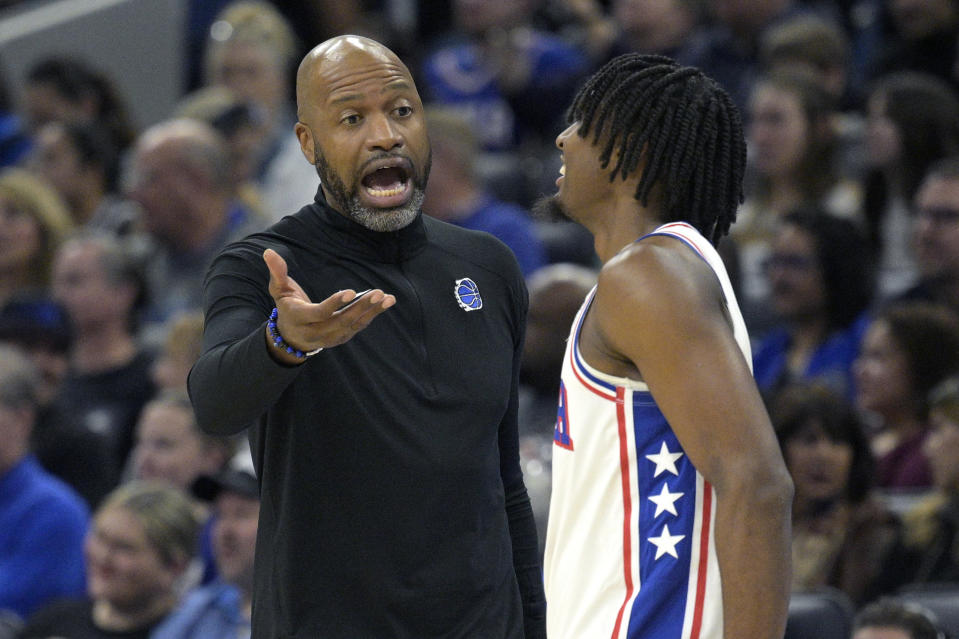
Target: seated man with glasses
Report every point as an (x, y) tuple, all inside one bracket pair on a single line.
[(936, 236)]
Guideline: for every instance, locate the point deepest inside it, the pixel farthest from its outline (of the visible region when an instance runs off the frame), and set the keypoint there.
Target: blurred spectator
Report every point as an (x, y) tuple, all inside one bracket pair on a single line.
[(251, 50), (33, 223), (61, 89), (843, 536), (936, 236), (819, 47), (42, 521), (222, 609), (512, 81), (242, 126), (792, 163), (314, 22), (642, 26), (907, 350), (912, 121), (108, 382), (815, 45), (923, 36), (556, 293), (82, 163), (891, 619), (40, 327), (727, 49), (822, 283), (654, 26), (140, 544), (181, 348), (14, 141), (932, 526), (793, 145), (455, 194), (170, 447), (181, 177)]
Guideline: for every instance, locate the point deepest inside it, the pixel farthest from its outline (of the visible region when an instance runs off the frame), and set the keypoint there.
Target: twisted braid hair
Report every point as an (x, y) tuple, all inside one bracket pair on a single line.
[(685, 127)]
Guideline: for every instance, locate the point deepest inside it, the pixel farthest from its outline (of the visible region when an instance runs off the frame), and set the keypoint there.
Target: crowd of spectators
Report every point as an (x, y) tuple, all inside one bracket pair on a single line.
[(845, 257)]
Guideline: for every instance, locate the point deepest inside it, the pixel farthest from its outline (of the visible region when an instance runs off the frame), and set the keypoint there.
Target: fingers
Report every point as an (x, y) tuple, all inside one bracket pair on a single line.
[(335, 320), (360, 311), (279, 279)]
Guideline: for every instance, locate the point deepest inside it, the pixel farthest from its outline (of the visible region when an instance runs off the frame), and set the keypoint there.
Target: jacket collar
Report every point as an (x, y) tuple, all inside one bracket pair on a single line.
[(357, 240)]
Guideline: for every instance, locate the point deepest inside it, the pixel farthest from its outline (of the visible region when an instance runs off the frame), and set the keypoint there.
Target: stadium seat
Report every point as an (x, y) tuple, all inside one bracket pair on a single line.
[(942, 599), (825, 613)]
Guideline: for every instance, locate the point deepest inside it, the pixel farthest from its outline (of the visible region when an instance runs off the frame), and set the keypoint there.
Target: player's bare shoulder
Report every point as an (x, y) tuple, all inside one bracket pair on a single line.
[(656, 275)]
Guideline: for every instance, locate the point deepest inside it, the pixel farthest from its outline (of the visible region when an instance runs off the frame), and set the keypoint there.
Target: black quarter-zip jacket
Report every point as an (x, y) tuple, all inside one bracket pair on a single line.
[(392, 501)]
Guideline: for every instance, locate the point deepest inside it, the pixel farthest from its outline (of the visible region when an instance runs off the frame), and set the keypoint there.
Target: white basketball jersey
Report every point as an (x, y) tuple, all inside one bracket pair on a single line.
[(630, 548)]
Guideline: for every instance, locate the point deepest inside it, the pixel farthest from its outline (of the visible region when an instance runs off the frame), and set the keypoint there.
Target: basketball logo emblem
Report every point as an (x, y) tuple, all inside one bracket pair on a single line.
[(467, 294)]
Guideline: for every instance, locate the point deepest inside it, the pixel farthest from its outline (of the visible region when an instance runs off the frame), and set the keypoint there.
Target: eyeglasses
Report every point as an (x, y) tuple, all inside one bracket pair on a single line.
[(939, 215), (789, 262)]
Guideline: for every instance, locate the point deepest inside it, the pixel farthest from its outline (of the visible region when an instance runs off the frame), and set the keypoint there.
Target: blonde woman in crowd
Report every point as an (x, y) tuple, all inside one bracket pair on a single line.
[(142, 540), (251, 51), (34, 221)]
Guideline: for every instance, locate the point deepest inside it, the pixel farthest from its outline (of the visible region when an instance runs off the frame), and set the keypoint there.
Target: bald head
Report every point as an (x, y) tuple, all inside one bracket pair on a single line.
[(338, 57), (189, 143), (181, 177), (361, 124)]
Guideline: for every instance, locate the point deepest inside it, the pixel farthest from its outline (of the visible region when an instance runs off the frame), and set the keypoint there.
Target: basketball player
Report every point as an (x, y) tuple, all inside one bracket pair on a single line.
[(670, 507)]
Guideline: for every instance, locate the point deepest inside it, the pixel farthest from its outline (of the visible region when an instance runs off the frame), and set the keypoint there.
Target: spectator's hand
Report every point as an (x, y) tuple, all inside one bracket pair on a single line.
[(306, 325)]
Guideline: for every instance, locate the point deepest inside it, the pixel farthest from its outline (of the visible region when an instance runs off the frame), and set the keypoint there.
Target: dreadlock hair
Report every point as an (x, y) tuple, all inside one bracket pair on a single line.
[(682, 123)]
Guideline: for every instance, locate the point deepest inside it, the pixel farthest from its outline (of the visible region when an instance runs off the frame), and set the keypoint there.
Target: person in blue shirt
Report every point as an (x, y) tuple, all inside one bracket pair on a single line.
[(821, 280), (221, 609), (42, 521), (456, 192), (513, 79)]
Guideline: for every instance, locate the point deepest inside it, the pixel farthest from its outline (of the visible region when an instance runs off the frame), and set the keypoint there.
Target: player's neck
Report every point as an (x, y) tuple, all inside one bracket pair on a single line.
[(626, 222)]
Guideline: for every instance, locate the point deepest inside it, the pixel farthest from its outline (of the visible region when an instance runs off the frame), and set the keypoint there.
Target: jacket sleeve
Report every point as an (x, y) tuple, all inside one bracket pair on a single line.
[(519, 512), (235, 381)]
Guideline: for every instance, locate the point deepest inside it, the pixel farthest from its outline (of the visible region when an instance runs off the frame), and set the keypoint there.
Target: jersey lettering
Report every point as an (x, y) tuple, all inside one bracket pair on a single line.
[(561, 436)]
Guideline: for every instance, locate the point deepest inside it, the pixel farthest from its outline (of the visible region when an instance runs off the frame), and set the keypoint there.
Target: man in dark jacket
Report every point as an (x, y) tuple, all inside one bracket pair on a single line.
[(393, 504)]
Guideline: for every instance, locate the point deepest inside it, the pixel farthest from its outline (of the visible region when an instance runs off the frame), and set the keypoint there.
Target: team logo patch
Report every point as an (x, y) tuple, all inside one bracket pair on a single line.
[(467, 294)]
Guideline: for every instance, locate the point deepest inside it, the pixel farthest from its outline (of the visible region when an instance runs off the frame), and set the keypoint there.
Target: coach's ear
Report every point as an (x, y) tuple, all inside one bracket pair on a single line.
[(305, 135)]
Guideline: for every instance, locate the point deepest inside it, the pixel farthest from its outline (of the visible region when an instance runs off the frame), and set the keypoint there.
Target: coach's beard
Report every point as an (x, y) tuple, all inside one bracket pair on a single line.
[(375, 219)]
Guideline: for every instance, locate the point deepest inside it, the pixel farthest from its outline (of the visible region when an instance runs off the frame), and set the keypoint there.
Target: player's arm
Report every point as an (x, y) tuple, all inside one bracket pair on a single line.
[(663, 311)]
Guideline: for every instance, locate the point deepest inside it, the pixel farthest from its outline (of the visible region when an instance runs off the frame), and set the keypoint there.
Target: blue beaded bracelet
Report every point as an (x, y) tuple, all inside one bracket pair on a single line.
[(279, 342)]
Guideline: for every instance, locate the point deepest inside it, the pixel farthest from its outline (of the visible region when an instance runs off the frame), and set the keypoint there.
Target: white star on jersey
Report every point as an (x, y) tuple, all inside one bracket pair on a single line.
[(665, 501), (664, 460), (666, 543)]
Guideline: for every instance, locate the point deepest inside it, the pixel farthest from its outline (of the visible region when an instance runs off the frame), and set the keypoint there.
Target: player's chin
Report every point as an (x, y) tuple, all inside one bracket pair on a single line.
[(550, 208)]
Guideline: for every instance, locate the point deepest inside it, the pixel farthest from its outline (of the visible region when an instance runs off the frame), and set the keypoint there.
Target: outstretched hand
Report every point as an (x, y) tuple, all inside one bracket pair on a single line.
[(306, 325)]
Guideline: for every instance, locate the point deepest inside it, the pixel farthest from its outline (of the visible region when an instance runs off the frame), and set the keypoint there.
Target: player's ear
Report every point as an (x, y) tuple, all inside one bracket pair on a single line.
[(307, 145)]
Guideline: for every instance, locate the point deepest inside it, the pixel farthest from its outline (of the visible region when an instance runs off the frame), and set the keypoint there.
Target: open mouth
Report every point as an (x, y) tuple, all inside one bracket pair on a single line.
[(387, 183)]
